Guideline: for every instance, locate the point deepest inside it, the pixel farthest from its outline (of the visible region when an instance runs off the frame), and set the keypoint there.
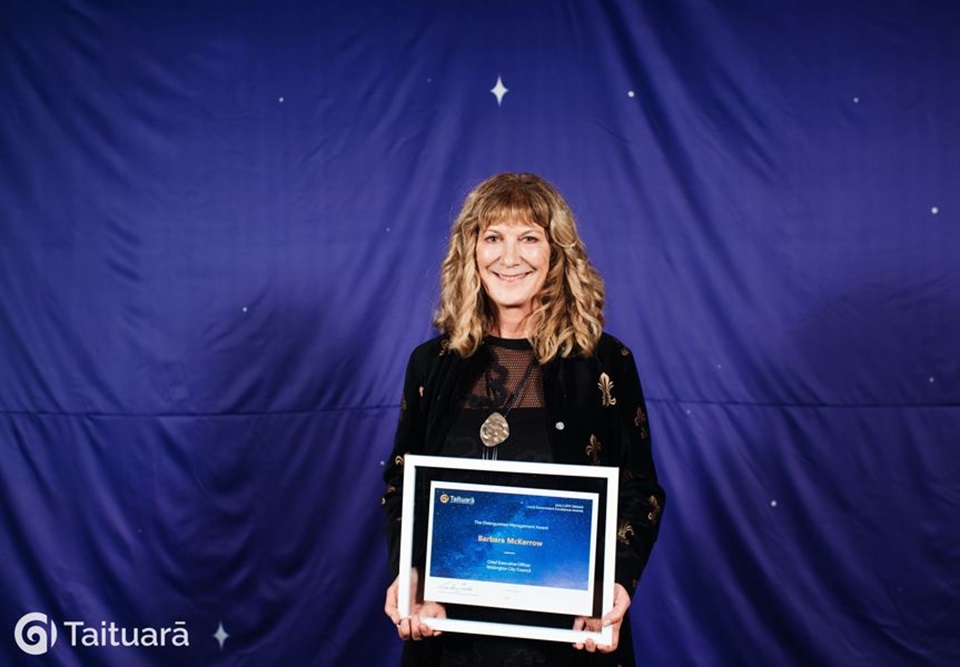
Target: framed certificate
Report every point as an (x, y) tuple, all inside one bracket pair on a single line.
[(509, 548)]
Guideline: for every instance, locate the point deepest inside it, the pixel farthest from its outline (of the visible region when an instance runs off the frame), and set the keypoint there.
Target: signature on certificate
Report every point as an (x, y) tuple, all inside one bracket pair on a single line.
[(462, 587)]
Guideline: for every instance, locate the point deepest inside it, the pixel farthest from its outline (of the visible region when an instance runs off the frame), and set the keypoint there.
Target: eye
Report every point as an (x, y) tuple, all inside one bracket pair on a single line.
[(530, 238), (491, 238)]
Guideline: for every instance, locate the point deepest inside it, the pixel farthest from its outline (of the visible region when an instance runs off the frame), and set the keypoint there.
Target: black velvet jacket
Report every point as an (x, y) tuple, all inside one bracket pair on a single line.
[(596, 414)]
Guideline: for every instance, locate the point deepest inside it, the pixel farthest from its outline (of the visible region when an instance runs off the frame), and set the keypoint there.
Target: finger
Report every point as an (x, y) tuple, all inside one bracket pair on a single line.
[(416, 630), (612, 617), (425, 629), (614, 641), (390, 605), (615, 615), (578, 623), (590, 645), (403, 629), (392, 614), (420, 629), (612, 646)]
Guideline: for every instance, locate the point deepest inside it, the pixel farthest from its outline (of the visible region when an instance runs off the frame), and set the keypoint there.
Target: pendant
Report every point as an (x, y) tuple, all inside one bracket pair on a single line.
[(494, 430)]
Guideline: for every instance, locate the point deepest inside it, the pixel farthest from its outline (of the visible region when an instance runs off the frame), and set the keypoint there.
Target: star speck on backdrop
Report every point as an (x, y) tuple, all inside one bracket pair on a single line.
[(499, 91), (221, 635)]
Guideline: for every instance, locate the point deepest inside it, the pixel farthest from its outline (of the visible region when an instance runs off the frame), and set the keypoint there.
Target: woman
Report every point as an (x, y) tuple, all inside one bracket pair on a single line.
[(522, 370)]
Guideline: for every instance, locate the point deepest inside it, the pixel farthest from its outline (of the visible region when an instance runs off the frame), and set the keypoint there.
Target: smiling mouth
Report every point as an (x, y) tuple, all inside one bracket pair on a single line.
[(511, 278)]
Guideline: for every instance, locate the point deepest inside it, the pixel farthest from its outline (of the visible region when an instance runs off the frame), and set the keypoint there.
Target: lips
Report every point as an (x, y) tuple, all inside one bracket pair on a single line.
[(511, 278)]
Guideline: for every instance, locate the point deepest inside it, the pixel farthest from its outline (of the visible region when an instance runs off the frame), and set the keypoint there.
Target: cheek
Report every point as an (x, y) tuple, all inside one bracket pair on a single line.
[(483, 257), (541, 259)]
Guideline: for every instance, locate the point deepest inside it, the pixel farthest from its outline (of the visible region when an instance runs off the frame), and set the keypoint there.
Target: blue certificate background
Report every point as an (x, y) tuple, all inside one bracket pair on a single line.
[(562, 562)]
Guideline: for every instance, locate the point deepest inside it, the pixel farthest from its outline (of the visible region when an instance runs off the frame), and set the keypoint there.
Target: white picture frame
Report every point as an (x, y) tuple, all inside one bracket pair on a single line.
[(587, 493)]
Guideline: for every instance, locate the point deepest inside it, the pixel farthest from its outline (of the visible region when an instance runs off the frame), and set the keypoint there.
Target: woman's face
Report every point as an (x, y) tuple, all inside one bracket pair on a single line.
[(513, 257)]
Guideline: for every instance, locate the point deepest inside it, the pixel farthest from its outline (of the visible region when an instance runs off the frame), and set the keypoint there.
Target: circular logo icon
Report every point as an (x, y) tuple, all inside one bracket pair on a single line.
[(35, 634), (444, 498)]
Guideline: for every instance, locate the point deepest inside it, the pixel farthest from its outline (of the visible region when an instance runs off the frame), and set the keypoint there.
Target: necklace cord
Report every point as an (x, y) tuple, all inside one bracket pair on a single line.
[(496, 429), (518, 393)]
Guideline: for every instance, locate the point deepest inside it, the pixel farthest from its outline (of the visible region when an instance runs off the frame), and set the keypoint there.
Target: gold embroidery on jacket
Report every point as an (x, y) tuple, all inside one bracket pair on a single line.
[(398, 460), (640, 419), (593, 449), (606, 386), (624, 533), (624, 351), (420, 390), (654, 515)]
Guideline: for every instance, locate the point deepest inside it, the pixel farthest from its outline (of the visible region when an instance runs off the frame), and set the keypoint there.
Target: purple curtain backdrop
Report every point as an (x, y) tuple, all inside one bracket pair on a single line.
[(220, 231)]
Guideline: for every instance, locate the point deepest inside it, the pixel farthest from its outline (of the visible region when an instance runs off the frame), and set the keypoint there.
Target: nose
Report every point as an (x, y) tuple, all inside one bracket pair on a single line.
[(511, 255)]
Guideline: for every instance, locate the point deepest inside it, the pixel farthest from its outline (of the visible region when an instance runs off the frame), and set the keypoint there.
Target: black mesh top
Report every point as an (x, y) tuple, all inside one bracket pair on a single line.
[(499, 389)]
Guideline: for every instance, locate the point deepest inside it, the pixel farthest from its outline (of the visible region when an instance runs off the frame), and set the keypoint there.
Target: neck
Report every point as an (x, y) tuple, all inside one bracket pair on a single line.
[(511, 323)]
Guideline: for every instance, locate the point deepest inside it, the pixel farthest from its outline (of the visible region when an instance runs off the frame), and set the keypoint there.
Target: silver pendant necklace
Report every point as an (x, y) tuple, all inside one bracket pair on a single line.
[(495, 429)]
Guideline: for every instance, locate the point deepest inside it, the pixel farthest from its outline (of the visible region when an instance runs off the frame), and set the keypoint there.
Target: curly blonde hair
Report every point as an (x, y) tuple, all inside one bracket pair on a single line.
[(567, 319)]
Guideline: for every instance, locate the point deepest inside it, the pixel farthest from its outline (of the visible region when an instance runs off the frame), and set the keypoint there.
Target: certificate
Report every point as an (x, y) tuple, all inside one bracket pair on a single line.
[(509, 548)]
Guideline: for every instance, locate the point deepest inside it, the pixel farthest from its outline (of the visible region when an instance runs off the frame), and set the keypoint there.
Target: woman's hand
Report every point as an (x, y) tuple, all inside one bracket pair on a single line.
[(614, 617), (412, 627)]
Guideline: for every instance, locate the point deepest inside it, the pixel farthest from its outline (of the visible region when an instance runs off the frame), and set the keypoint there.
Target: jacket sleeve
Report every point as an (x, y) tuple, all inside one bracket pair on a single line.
[(641, 498), (409, 438)]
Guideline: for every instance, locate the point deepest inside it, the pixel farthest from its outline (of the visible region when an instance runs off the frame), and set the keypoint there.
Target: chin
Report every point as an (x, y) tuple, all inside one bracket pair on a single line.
[(525, 305)]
